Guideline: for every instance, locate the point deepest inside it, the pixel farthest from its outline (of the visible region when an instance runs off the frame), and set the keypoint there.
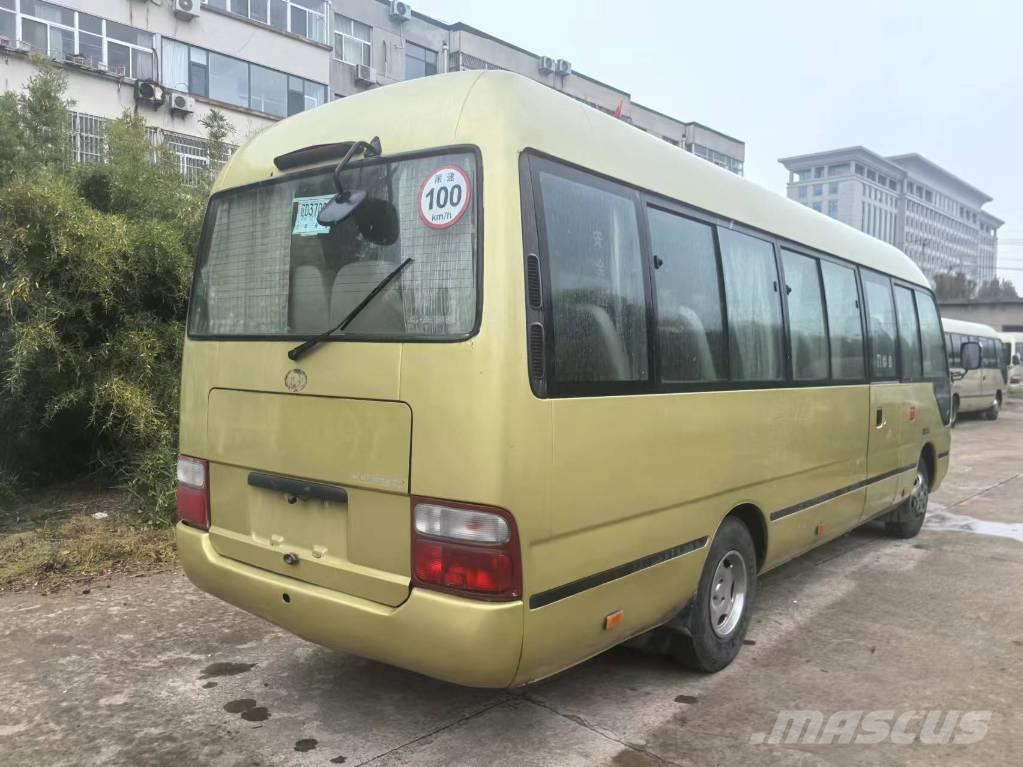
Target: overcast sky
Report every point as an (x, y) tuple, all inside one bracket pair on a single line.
[(941, 78)]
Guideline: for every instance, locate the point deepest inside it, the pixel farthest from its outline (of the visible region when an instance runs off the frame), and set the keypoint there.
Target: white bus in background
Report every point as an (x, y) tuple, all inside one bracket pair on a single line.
[(1012, 347), (982, 390)]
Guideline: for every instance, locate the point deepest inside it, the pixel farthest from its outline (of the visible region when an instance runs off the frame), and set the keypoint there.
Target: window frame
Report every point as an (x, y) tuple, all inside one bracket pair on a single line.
[(533, 232), (365, 45), (207, 233), (205, 96), (538, 164), (866, 312), (903, 378)]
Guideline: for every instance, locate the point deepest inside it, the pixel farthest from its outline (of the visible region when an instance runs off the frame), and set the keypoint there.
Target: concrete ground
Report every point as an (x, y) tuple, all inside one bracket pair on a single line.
[(149, 671)]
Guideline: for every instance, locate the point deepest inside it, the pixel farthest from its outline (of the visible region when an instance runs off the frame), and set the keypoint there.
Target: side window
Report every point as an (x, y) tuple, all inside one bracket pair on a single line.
[(754, 307), (807, 333), (909, 333), (935, 365), (881, 325), (689, 308), (955, 342), (844, 321), (597, 296), (990, 352)]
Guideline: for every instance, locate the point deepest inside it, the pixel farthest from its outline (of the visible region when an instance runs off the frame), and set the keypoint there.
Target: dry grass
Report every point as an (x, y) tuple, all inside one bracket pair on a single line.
[(54, 542)]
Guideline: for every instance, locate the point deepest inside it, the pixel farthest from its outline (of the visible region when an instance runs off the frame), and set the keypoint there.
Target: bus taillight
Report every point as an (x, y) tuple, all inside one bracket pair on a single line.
[(471, 551)]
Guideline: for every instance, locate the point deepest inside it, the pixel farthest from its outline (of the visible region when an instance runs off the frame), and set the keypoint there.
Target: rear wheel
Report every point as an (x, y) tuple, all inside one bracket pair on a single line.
[(720, 613), (992, 412), (906, 521)]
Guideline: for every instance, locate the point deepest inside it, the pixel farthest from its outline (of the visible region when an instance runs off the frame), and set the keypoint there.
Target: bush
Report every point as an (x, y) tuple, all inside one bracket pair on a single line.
[(95, 263)]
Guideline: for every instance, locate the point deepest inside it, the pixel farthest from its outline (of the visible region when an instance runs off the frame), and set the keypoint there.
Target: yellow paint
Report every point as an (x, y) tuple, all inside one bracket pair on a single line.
[(593, 483)]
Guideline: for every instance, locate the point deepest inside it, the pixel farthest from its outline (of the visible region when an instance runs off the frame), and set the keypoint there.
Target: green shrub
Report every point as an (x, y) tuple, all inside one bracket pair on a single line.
[(95, 263)]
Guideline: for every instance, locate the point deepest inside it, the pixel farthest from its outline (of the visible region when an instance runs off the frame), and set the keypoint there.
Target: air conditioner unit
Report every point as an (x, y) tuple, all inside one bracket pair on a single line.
[(149, 92), (364, 74), (5, 42), (546, 64), (401, 11), (101, 66), (182, 103), (76, 59), (24, 45), (186, 9), (563, 66)]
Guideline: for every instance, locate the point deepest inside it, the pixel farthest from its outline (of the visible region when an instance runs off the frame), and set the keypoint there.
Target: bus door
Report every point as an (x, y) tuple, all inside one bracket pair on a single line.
[(886, 396)]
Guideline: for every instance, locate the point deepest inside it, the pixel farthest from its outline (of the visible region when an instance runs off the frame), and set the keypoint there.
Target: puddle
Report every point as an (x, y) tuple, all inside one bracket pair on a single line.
[(257, 714), (225, 669), (939, 519), (687, 699), (239, 706), (306, 744), (339, 760)]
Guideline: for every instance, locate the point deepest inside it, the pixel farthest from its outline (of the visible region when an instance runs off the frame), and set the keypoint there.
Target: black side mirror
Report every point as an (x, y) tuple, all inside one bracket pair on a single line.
[(1015, 359), (969, 353)]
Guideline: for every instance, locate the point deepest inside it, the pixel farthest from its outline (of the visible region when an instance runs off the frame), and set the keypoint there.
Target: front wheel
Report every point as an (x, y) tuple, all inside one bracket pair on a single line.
[(992, 412), (720, 613), (906, 521)]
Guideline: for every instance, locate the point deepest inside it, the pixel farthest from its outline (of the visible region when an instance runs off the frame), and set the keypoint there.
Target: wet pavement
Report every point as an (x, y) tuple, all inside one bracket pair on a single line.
[(149, 671)]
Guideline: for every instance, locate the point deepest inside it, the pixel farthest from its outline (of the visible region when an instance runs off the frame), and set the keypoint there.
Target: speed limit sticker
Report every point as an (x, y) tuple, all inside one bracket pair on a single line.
[(444, 197)]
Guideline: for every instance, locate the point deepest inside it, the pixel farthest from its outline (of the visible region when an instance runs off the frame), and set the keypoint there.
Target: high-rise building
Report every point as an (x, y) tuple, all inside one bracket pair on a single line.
[(258, 61), (933, 216)]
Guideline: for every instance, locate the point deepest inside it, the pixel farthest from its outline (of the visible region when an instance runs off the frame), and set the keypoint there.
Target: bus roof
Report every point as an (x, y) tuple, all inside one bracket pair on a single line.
[(505, 112), (968, 328)]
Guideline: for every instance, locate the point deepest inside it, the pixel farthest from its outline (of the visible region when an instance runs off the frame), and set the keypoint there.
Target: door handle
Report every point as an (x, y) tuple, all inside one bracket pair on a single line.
[(879, 418)]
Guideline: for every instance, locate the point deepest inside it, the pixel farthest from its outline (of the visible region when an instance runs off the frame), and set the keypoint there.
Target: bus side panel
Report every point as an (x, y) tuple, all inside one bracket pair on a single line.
[(634, 476)]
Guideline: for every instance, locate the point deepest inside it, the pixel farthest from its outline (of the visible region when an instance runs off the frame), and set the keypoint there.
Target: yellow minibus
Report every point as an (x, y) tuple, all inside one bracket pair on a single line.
[(1012, 345), (982, 390), (480, 382)]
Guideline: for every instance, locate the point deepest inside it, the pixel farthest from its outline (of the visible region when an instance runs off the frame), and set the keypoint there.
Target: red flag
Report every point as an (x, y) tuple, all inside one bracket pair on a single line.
[(618, 111)]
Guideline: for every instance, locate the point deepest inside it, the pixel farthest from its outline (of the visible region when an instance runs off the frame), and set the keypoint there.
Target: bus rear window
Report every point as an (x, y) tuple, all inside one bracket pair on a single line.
[(267, 269)]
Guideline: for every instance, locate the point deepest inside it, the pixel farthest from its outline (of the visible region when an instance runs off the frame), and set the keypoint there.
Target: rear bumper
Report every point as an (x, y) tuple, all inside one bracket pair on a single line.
[(458, 640)]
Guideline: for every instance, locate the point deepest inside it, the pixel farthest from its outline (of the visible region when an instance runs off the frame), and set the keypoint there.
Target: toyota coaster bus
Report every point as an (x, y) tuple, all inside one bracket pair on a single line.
[(480, 382), (981, 390)]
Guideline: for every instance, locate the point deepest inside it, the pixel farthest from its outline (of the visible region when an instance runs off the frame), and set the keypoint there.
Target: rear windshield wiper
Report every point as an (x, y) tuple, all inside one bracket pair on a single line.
[(304, 347)]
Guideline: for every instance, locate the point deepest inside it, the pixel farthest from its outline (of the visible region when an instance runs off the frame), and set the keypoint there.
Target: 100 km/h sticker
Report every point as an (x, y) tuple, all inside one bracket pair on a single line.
[(444, 197)]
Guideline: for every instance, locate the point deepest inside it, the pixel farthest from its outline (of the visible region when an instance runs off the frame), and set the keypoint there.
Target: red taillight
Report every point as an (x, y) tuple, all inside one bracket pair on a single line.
[(193, 494), (472, 551), (1014, 380)]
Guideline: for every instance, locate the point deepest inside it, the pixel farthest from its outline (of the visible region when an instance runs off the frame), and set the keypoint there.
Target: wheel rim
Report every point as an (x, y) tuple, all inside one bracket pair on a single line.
[(918, 498), (728, 593)]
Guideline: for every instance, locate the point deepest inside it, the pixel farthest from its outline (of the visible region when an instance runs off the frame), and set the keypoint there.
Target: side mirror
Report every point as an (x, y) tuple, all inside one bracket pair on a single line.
[(969, 353), (1015, 359)]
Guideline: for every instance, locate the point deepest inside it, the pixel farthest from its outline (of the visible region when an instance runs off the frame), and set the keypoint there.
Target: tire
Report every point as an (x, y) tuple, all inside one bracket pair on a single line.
[(955, 413), (992, 412), (906, 521), (717, 622)]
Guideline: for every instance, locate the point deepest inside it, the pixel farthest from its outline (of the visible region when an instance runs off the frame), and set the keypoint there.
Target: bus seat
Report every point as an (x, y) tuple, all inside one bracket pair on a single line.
[(696, 349), (384, 314), (307, 307), (602, 357)]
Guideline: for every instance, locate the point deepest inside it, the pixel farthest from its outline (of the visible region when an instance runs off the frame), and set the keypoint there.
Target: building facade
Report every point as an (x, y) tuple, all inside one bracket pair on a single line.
[(258, 61), (933, 216)]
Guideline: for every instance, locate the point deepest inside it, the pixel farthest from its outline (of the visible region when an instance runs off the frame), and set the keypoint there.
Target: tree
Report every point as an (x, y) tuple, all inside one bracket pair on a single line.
[(954, 287), (218, 131), (997, 289), (34, 124)]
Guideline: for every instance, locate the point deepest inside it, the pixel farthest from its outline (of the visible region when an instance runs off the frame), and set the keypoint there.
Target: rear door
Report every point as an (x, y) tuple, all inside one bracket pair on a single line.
[(886, 397)]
